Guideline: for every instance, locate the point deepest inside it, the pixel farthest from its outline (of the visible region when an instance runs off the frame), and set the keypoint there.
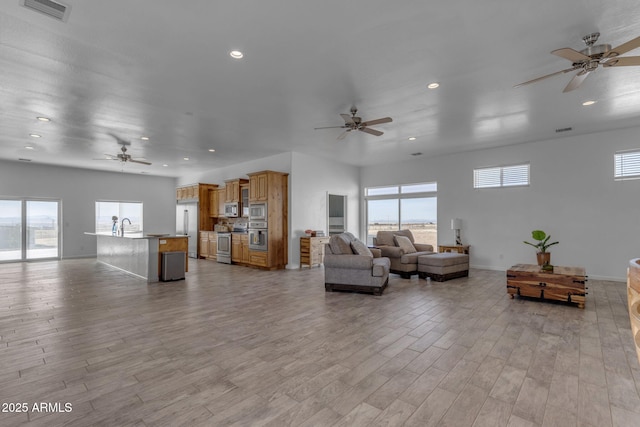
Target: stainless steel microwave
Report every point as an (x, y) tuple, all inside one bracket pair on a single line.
[(231, 210), (257, 212)]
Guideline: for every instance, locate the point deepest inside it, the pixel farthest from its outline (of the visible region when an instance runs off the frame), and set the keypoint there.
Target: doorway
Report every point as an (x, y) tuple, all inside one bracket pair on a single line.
[(29, 229), (336, 213)]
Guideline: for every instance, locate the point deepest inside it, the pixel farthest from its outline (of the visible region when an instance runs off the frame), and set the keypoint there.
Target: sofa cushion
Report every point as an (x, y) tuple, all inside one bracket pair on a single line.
[(406, 233), (340, 244), (385, 238), (412, 258), (405, 244), (359, 248)]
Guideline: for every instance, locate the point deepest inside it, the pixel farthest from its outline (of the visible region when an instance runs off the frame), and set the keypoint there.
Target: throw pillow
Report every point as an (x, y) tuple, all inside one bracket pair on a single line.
[(405, 244), (359, 248), (340, 245)]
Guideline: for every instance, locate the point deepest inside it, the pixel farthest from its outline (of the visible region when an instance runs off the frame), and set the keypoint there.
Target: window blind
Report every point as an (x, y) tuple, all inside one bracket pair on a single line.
[(627, 164), (501, 176)]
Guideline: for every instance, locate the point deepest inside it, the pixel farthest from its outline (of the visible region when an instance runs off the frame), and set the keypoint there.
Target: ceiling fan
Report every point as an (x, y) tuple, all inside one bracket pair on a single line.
[(352, 122), (589, 58), (123, 157)]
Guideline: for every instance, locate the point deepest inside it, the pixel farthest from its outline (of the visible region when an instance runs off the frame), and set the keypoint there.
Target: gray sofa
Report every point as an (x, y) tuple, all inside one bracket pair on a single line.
[(350, 266), (403, 263)]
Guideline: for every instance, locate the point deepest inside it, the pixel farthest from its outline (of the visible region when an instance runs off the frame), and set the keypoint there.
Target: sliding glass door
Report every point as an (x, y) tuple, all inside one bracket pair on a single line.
[(29, 229), (10, 230)]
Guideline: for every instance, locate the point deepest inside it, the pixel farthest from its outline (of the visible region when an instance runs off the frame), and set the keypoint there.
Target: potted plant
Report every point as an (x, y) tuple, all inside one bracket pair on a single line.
[(544, 257)]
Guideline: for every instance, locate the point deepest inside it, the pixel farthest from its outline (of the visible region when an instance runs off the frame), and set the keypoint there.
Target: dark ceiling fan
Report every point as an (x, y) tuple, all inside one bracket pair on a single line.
[(353, 122), (589, 59)]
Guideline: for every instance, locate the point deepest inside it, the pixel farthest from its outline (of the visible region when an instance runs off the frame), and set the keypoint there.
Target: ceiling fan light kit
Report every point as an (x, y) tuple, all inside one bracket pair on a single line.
[(590, 58), (353, 122)]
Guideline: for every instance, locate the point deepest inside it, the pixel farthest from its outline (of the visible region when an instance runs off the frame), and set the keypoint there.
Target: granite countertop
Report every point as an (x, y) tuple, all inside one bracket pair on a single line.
[(138, 235)]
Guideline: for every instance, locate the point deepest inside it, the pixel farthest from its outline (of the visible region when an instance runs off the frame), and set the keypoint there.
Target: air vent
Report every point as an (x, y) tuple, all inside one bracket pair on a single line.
[(24, 160), (563, 130), (416, 154), (50, 8)]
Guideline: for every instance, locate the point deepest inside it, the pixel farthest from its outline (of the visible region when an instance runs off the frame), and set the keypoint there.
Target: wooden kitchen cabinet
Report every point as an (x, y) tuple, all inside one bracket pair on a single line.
[(213, 204), (240, 248), (273, 188), (208, 243), (232, 190), (221, 197), (258, 187), (204, 245)]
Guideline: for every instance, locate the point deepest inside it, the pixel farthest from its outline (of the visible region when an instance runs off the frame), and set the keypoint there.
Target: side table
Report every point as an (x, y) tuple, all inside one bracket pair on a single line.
[(461, 249)]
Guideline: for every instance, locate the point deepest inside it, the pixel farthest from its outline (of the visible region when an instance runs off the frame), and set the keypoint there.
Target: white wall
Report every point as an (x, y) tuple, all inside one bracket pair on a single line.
[(572, 196), (311, 179), (80, 188), (279, 163)]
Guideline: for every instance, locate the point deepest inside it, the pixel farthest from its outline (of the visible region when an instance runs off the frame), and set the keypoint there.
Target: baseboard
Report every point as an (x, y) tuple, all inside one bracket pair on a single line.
[(80, 256), (590, 276)]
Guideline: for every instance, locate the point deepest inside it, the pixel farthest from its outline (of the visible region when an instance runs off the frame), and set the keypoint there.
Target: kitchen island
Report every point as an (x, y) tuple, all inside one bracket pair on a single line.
[(139, 254)]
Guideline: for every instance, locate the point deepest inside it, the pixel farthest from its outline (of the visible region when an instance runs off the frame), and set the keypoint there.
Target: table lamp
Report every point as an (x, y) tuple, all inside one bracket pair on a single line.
[(456, 224)]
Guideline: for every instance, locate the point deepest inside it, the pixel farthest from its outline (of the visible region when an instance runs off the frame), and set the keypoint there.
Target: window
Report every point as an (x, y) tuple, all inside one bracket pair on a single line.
[(105, 211), (29, 229), (627, 165), (410, 206), (501, 176)]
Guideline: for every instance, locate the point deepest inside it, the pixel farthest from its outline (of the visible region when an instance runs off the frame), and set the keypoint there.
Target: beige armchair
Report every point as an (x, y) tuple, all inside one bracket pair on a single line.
[(350, 266), (402, 255)]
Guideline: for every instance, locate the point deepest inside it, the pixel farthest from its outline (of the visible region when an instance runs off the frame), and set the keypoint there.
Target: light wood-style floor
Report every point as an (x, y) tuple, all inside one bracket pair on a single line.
[(237, 346)]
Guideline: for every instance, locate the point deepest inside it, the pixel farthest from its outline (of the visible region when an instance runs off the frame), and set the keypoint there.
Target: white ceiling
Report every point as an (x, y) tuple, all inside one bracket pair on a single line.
[(161, 69)]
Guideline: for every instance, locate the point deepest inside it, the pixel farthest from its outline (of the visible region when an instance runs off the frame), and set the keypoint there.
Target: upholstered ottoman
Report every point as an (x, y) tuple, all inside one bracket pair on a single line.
[(443, 266)]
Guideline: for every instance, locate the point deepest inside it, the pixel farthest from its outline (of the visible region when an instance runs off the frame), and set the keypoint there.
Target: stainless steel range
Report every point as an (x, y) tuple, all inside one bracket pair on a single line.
[(224, 248)]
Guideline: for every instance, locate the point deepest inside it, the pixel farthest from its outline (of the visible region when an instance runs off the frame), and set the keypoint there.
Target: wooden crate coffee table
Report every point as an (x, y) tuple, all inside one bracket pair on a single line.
[(563, 284)]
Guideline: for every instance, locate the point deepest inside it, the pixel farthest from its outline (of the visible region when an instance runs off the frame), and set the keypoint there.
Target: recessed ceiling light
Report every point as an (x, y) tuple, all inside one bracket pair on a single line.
[(433, 85), (587, 103), (28, 147), (412, 138), (185, 158), (165, 165), (34, 135), (211, 150), (144, 138), (43, 119), (236, 54)]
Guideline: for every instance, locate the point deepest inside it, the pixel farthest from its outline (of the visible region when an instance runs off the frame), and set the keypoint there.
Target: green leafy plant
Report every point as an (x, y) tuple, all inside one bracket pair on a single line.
[(543, 241)]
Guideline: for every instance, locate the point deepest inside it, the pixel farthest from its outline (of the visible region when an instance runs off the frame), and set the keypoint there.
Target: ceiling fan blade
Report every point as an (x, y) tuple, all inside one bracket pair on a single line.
[(570, 54), (548, 75), (118, 139), (332, 127), (378, 121), (576, 81), (624, 47), (622, 62), (343, 134), (347, 119), (139, 161), (371, 131)]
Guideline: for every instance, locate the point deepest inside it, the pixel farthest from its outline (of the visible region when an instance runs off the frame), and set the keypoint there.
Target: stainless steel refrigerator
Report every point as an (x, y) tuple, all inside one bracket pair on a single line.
[(187, 224)]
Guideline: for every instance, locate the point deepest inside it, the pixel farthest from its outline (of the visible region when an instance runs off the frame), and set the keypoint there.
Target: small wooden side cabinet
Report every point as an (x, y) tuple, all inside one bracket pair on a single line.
[(461, 249), (562, 284), (312, 250)]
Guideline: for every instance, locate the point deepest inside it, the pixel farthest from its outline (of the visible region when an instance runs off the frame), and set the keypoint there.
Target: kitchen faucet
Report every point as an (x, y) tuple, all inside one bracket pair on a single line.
[(122, 226)]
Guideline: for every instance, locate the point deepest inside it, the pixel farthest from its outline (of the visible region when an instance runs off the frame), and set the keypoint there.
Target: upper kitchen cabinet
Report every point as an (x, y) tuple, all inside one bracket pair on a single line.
[(232, 193), (201, 194), (222, 194), (213, 204), (258, 186)]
